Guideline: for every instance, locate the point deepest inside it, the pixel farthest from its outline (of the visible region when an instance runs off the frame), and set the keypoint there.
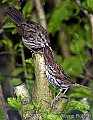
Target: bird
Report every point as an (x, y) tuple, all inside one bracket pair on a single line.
[(56, 76), (34, 36)]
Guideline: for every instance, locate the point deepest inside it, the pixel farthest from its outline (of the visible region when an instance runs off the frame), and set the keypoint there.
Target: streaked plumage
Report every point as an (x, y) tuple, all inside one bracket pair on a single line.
[(36, 39), (34, 36), (55, 74)]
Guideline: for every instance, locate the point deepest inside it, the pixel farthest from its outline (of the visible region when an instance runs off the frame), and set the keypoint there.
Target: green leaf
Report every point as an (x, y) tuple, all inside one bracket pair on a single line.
[(79, 92), (72, 65), (4, 1), (6, 41), (15, 102), (87, 35), (2, 116), (26, 11), (30, 107), (87, 4), (18, 47), (59, 14), (30, 61), (16, 81), (75, 105), (14, 31), (90, 4), (52, 116), (37, 106), (9, 25), (18, 71), (77, 46)]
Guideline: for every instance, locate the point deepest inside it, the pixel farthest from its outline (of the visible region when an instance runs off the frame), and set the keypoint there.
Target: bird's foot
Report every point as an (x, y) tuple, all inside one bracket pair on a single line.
[(55, 100)]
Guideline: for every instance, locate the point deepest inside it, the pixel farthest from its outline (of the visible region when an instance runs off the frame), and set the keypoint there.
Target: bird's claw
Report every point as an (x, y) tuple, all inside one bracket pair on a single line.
[(53, 103)]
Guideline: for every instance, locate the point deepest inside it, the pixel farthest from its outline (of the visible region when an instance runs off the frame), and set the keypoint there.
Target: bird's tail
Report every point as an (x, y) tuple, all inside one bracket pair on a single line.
[(79, 85), (15, 15)]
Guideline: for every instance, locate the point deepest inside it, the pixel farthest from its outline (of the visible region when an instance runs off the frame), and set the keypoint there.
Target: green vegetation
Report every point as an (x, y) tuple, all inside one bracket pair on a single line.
[(71, 39)]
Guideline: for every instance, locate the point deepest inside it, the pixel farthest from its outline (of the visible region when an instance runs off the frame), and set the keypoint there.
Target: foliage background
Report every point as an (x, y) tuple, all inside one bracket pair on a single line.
[(71, 39)]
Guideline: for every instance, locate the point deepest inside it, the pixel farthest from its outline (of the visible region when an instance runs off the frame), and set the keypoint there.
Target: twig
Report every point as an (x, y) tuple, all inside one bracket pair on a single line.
[(91, 24), (41, 13), (2, 105), (64, 46), (23, 61)]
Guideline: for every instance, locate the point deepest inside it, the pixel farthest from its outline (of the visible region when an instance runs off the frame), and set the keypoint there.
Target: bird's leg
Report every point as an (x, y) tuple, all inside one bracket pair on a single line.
[(63, 96), (65, 91), (58, 96)]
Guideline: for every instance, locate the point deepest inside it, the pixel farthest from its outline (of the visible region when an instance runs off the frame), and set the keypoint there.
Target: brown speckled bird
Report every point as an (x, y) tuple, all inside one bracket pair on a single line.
[(36, 39)]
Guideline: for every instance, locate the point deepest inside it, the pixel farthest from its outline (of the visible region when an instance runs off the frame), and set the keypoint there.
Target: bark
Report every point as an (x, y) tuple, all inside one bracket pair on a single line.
[(26, 100), (41, 13), (2, 105), (41, 93)]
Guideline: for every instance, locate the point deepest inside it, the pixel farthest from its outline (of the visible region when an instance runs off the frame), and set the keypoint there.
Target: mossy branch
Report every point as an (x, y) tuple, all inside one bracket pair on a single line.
[(41, 92)]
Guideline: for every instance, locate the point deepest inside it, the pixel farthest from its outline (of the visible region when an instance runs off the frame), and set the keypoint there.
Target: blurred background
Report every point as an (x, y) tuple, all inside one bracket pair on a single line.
[(70, 28)]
